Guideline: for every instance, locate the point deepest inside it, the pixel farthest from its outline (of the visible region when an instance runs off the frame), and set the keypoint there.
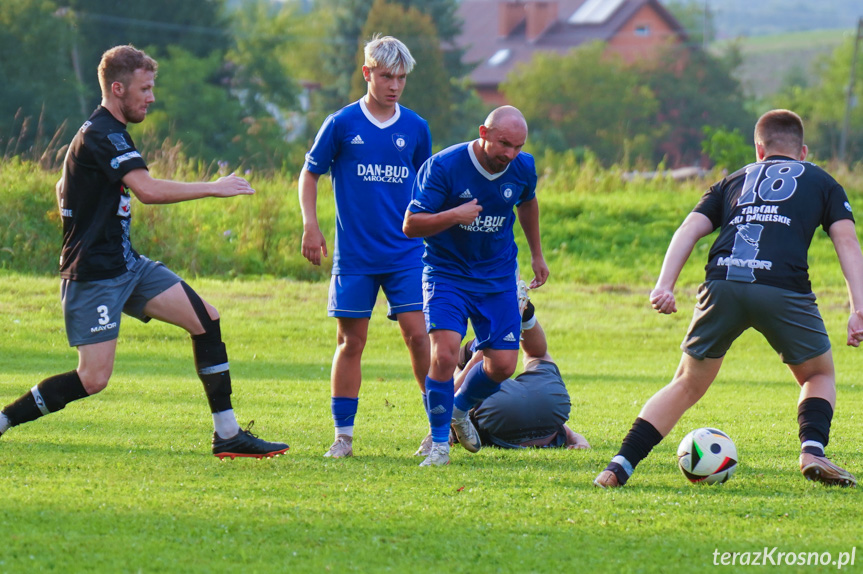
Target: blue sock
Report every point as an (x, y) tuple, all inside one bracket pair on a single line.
[(477, 387), (344, 410), (426, 403), (439, 408)]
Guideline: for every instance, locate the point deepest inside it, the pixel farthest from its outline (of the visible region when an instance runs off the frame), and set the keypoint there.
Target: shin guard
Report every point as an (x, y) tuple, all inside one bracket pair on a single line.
[(440, 397), (814, 416), (211, 357)]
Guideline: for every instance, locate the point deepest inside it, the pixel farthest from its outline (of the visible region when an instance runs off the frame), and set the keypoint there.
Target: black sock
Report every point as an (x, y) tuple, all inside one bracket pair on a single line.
[(49, 396), (637, 444), (814, 416)]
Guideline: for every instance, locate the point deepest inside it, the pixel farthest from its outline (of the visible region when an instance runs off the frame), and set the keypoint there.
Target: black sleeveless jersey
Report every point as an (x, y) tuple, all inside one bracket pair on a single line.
[(94, 203), (767, 213)]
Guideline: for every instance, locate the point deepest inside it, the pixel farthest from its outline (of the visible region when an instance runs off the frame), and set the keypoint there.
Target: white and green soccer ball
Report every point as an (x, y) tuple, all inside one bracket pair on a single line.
[(707, 456)]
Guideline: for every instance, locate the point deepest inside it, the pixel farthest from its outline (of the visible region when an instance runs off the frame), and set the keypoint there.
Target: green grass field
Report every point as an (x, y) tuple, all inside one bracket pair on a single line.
[(124, 482)]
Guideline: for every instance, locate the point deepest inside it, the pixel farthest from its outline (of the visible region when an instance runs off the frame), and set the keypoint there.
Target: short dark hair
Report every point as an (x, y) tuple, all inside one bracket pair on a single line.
[(119, 64), (780, 129)]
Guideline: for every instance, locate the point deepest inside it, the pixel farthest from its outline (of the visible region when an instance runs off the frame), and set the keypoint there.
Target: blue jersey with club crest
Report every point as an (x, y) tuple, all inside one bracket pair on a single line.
[(482, 256), (373, 165)]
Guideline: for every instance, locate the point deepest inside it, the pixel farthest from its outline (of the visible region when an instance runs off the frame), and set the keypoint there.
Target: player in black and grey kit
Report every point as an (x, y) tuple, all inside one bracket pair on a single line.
[(757, 276), (102, 275)]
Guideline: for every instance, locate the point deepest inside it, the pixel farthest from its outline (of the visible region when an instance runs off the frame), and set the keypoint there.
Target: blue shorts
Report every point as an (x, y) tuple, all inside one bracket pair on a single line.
[(494, 316), (354, 295)]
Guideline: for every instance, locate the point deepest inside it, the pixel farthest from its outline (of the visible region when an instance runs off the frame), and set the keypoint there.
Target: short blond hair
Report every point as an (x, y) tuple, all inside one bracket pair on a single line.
[(388, 52)]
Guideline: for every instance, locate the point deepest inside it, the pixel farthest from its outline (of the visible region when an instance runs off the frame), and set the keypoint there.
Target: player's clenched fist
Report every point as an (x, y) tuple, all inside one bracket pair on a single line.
[(466, 212)]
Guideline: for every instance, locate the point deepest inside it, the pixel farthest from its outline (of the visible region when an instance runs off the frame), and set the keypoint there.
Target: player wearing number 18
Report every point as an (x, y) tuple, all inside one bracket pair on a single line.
[(766, 214)]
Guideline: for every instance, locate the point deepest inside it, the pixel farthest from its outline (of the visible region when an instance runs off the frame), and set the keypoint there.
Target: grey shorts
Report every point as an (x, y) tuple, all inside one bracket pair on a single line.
[(92, 309), (789, 321), (534, 405)]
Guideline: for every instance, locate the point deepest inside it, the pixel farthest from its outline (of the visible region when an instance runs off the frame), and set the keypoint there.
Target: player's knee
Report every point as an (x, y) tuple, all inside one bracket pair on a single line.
[(354, 345), (500, 373), (417, 343), (444, 362), (350, 344), (501, 366), (212, 312), (94, 380), (689, 389), (207, 315)]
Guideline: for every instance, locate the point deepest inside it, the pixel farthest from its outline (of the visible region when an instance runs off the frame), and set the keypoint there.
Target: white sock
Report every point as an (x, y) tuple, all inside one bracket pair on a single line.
[(4, 423), (226, 424), (349, 431)]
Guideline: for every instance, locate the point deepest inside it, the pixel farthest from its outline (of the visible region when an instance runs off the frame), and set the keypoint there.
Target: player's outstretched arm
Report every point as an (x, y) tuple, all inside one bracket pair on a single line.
[(152, 191), (314, 244), (528, 218), (423, 224), (693, 228), (844, 238)]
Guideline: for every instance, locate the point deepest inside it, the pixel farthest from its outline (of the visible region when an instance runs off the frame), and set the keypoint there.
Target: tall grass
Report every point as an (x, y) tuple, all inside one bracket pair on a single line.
[(598, 227), (29, 140)]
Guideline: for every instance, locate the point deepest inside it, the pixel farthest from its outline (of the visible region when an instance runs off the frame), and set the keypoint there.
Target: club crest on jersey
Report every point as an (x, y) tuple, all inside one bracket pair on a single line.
[(400, 141), (507, 191), (119, 142)]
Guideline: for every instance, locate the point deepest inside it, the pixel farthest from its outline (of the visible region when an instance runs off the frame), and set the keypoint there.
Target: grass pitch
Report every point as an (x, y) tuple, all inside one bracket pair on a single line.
[(124, 482)]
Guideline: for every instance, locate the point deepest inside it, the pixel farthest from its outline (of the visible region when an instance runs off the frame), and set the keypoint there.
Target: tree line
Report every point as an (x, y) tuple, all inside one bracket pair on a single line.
[(247, 83)]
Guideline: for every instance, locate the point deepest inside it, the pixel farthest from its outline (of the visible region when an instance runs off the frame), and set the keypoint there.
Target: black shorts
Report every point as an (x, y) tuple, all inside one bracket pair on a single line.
[(92, 309), (790, 321)]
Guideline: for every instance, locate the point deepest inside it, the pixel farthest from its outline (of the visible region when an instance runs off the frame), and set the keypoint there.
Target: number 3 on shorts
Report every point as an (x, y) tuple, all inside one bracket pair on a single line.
[(104, 318)]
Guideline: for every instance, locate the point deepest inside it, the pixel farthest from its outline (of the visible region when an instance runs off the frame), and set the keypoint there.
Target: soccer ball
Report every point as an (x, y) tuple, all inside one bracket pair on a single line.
[(707, 455)]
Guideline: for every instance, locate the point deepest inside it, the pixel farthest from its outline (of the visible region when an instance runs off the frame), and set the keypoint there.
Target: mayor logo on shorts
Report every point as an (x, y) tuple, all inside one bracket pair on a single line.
[(400, 141), (507, 191)]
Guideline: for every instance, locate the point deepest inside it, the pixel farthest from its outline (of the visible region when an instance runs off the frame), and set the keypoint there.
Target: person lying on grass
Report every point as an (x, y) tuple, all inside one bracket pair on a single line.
[(530, 409)]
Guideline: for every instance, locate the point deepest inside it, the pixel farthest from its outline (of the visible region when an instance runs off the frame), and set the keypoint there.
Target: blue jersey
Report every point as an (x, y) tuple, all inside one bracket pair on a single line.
[(481, 256), (373, 166)]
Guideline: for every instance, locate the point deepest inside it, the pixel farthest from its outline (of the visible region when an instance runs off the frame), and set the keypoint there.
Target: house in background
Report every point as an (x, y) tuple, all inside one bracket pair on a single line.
[(498, 34)]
